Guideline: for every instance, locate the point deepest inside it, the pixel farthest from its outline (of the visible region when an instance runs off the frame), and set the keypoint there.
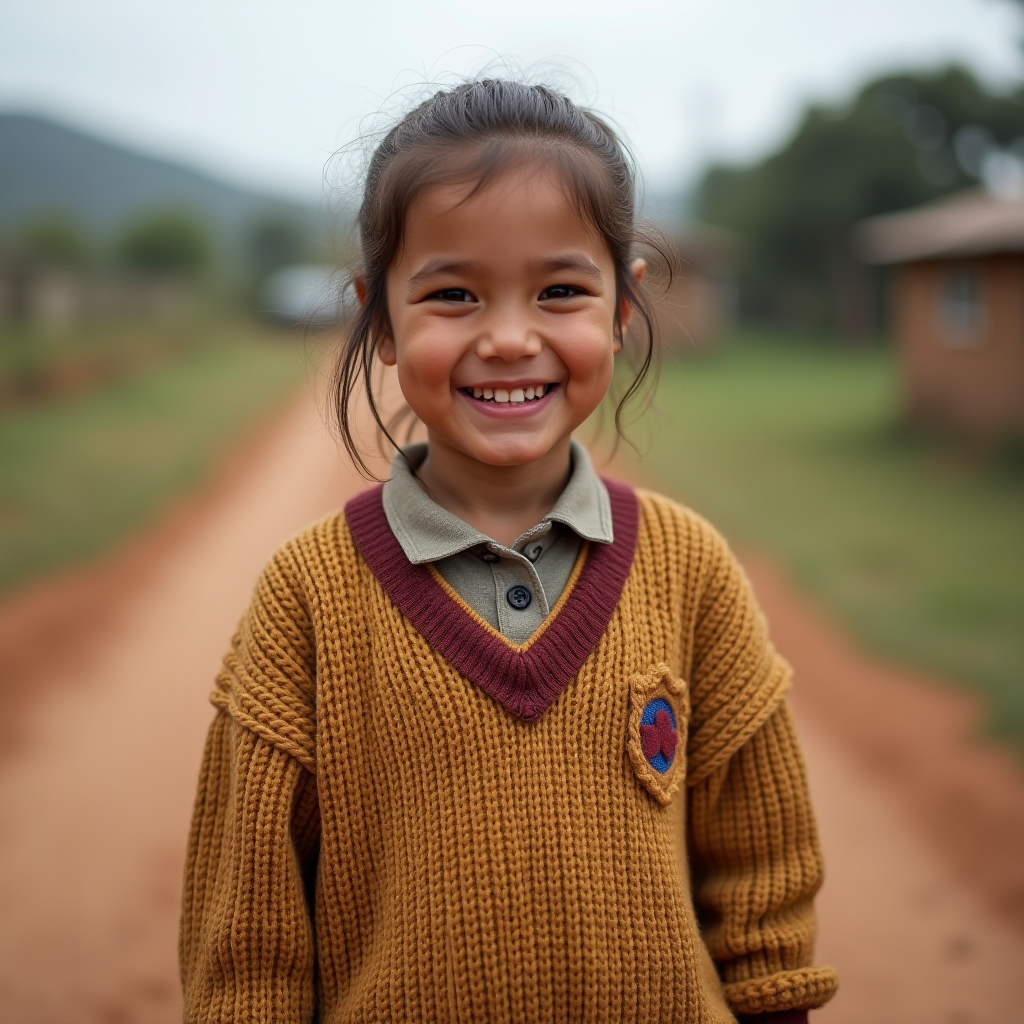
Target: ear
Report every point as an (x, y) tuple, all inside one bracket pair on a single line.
[(638, 269), (385, 345), (386, 350)]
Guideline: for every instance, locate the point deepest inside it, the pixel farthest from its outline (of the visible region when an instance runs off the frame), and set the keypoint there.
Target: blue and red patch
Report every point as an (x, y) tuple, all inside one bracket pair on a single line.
[(659, 734), (656, 736)]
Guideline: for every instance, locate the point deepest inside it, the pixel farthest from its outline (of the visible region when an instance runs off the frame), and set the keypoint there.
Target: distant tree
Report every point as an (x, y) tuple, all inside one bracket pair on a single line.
[(274, 242), (172, 244), (903, 140), (54, 241)]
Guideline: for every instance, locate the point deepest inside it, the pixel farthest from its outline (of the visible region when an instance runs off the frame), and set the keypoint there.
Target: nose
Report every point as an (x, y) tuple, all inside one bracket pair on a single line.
[(508, 335)]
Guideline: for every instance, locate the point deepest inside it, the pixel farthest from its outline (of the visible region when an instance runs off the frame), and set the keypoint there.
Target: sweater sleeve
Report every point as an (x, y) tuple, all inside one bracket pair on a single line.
[(756, 868), (246, 941), (755, 858)]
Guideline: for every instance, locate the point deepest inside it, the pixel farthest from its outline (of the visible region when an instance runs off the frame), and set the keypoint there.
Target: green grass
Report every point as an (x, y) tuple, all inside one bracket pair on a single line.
[(79, 475), (38, 363), (917, 545)]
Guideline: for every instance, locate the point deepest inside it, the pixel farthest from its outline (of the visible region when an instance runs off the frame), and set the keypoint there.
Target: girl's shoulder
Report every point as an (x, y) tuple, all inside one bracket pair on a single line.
[(304, 585), (313, 559), (674, 524), (736, 678), (665, 505)]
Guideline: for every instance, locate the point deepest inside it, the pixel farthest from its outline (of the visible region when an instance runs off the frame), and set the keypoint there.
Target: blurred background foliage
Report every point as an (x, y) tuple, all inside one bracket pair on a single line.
[(172, 244), (902, 140), (54, 241), (272, 243)]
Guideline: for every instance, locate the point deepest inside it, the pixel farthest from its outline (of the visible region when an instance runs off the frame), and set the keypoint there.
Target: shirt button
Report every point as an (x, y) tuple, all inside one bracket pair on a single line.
[(489, 556), (519, 597)]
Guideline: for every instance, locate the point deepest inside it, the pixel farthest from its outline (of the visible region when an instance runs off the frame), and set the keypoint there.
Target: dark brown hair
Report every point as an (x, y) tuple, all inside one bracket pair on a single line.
[(474, 132)]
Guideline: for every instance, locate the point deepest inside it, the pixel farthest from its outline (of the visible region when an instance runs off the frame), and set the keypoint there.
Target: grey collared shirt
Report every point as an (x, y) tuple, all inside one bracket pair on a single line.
[(512, 588)]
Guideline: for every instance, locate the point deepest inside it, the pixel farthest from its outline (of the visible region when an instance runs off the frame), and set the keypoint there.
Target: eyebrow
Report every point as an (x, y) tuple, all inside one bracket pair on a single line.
[(441, 265), (572, 261), (577, 261)]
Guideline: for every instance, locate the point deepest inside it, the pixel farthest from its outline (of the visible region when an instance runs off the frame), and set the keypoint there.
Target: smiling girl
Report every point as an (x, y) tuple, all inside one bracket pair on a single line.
[(504, 741)]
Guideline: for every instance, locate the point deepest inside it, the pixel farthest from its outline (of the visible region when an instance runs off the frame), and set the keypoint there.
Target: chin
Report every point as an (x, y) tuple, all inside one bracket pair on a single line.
[(510, 453)]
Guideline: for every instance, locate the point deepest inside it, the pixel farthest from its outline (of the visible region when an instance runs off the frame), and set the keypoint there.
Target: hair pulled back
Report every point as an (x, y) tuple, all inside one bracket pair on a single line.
[(473, 133)]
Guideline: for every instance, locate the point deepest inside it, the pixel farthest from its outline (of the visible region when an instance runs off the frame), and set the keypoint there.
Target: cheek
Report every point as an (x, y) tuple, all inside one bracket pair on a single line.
[(595, 386), (425, 365), (589, 356)]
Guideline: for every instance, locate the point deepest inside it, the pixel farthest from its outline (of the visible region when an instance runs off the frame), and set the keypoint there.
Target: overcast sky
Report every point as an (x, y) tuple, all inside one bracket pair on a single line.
[(263, 92)]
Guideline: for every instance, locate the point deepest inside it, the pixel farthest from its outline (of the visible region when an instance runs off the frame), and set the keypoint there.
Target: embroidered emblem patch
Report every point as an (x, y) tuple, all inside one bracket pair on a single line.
[(657, 731), (658, 734)]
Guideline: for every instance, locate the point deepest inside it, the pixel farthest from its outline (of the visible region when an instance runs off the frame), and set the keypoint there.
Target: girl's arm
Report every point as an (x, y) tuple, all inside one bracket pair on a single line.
[(754, 853), (246, 943), (756, 868)]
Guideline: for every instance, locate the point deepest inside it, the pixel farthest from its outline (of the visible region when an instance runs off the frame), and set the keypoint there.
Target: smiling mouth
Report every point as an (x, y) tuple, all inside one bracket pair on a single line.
[(513, 396)]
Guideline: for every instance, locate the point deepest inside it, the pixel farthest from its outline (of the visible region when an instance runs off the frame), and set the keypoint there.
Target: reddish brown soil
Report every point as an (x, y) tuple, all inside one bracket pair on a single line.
[(105, 696)]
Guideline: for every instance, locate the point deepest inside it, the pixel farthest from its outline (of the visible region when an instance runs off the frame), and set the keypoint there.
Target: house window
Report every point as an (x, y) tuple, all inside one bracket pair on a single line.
[(960, 311)]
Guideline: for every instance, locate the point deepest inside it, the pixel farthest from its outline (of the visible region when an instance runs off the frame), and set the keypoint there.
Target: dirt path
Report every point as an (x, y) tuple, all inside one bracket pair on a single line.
[(95, 798)]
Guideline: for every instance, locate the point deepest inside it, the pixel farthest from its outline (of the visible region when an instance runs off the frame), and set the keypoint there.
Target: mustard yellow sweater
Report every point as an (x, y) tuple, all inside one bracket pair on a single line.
[(403, 817)]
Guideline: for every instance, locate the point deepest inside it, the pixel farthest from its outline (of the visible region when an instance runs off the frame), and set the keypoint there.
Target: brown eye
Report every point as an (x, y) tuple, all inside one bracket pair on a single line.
[(452, 295), (560, 291)]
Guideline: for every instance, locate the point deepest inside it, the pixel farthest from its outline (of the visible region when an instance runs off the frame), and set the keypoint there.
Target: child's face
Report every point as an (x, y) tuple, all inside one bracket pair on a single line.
[(495, 298)]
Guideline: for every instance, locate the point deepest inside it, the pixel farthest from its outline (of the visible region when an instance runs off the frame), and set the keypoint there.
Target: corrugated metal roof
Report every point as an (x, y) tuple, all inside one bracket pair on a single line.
[(968, 224)]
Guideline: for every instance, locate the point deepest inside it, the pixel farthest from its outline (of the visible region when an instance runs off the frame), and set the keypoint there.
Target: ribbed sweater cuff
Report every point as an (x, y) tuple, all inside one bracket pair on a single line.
[(806, 988)]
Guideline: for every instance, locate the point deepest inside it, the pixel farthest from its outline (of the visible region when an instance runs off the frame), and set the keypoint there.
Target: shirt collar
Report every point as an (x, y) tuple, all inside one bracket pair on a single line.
[(427, 532)]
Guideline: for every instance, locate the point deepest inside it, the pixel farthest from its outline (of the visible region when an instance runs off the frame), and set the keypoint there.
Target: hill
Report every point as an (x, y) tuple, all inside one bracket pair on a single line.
[(47, 168)]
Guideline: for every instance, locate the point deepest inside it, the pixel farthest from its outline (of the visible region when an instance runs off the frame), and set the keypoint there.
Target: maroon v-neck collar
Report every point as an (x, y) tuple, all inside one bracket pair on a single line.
[(524, 682)]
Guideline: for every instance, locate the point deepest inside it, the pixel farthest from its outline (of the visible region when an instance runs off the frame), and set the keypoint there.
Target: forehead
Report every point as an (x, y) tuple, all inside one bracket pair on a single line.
[(527, 207)]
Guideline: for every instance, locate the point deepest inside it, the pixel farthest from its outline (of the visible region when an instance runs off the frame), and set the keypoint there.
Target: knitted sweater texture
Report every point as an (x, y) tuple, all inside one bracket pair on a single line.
[(385, 832)]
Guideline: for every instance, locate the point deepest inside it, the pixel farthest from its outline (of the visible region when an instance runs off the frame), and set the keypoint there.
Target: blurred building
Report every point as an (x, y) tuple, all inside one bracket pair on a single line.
[(699, 304), (958, 310), (51, 298)]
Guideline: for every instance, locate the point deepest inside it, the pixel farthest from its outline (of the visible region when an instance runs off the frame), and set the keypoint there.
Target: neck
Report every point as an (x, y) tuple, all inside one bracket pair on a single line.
[(502, 502)]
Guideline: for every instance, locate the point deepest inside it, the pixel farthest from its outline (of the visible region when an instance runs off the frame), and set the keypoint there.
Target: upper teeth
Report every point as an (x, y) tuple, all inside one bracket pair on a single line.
[(512, 395)]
